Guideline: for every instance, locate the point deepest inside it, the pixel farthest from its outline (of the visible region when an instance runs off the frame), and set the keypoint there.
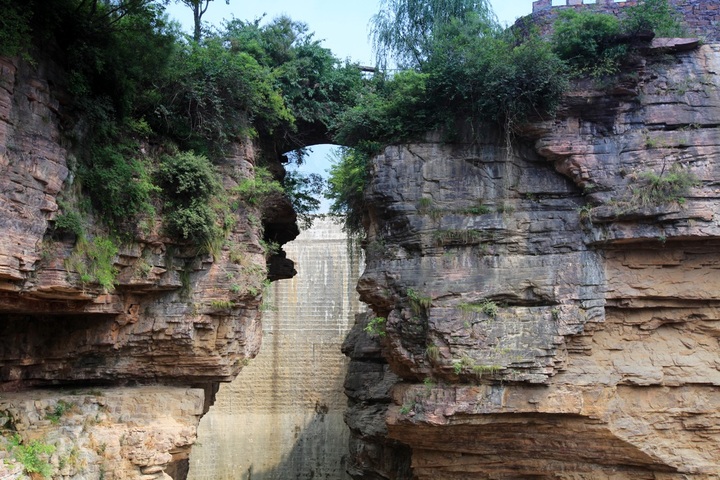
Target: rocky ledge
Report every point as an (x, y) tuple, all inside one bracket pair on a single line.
[(174, 317), (552, 299)]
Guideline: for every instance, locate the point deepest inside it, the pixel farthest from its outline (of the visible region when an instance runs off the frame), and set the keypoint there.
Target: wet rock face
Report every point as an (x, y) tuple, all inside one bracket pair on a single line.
[(552, 307)]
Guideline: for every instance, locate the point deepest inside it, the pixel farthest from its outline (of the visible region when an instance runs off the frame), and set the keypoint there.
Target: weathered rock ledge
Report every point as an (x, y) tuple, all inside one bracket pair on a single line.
[(175, 318), (552, 304)]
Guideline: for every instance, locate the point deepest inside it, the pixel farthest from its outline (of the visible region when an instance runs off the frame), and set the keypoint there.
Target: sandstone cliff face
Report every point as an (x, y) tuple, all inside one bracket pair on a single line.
[(552, 307), (174, 318)]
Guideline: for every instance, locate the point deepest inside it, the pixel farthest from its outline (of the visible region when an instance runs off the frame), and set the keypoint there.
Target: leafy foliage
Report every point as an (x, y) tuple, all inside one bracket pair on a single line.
[(467, 71), (653, 15), (213, 96), (588, 42), (304, 192), (14, 28), (348, 177), (117, 181), (258, 188), (392, 109), (493, 77), (189, 181), (406, 29), (131, 75), (185, 177), (596, 44), (376, 326), (69, 220), (315, 86), (32, 456)]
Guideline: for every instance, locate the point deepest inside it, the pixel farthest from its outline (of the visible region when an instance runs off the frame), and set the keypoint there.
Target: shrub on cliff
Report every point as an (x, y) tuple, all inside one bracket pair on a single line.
[(496, 77), (213, 96), (14, 28), (189, 181), (656, 16), (117, 181), (464, 69), (596, 44), (392, 109), (588, 42)]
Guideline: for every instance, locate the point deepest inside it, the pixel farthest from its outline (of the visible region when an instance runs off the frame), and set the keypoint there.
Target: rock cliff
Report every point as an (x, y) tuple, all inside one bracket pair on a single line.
[(175, 318), (551, 298)]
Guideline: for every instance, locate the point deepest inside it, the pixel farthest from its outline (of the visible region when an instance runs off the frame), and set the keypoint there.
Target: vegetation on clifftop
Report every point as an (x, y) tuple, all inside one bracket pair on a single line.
[(134, 80), (142, 99), (458, 67)]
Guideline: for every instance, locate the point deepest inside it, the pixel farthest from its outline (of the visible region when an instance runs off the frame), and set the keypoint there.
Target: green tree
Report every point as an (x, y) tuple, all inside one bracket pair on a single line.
[(213, 95), (304, 191), (198, 7), (189, 182), (493, 77), (348, 177), (588, 42), (404, 29), (315, 85), (656, 16), (392, 109), (15, 35)]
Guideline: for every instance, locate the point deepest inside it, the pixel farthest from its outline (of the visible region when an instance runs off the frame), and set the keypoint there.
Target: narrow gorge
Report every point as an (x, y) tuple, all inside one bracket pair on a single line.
[(534, 302)]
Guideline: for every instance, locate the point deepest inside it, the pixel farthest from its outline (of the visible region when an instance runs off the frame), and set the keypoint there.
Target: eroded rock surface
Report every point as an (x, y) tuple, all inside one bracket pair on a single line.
[(552, 300), (115, 433), (175, 317)]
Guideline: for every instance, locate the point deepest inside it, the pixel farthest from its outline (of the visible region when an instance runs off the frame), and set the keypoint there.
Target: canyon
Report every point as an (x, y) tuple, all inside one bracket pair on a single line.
[(544, 303)]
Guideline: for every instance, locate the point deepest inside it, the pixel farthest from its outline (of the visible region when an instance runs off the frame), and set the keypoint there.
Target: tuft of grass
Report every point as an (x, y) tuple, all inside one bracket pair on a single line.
[(488, 307), (443, 238), (95, 261), (222, 304), (418, 303), (61, 408), (654, 189), (432, 352)]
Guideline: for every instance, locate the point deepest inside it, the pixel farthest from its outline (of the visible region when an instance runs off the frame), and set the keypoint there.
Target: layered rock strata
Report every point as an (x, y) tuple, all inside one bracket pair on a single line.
[(552, 299), (175, 317)]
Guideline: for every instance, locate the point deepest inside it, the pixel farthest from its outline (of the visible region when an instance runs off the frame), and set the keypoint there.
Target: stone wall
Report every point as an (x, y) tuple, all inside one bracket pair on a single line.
[(701, 17), (283, 416)]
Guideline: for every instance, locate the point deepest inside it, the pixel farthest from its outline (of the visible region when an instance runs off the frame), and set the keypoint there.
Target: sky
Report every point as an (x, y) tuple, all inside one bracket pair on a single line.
[(341, 25)]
